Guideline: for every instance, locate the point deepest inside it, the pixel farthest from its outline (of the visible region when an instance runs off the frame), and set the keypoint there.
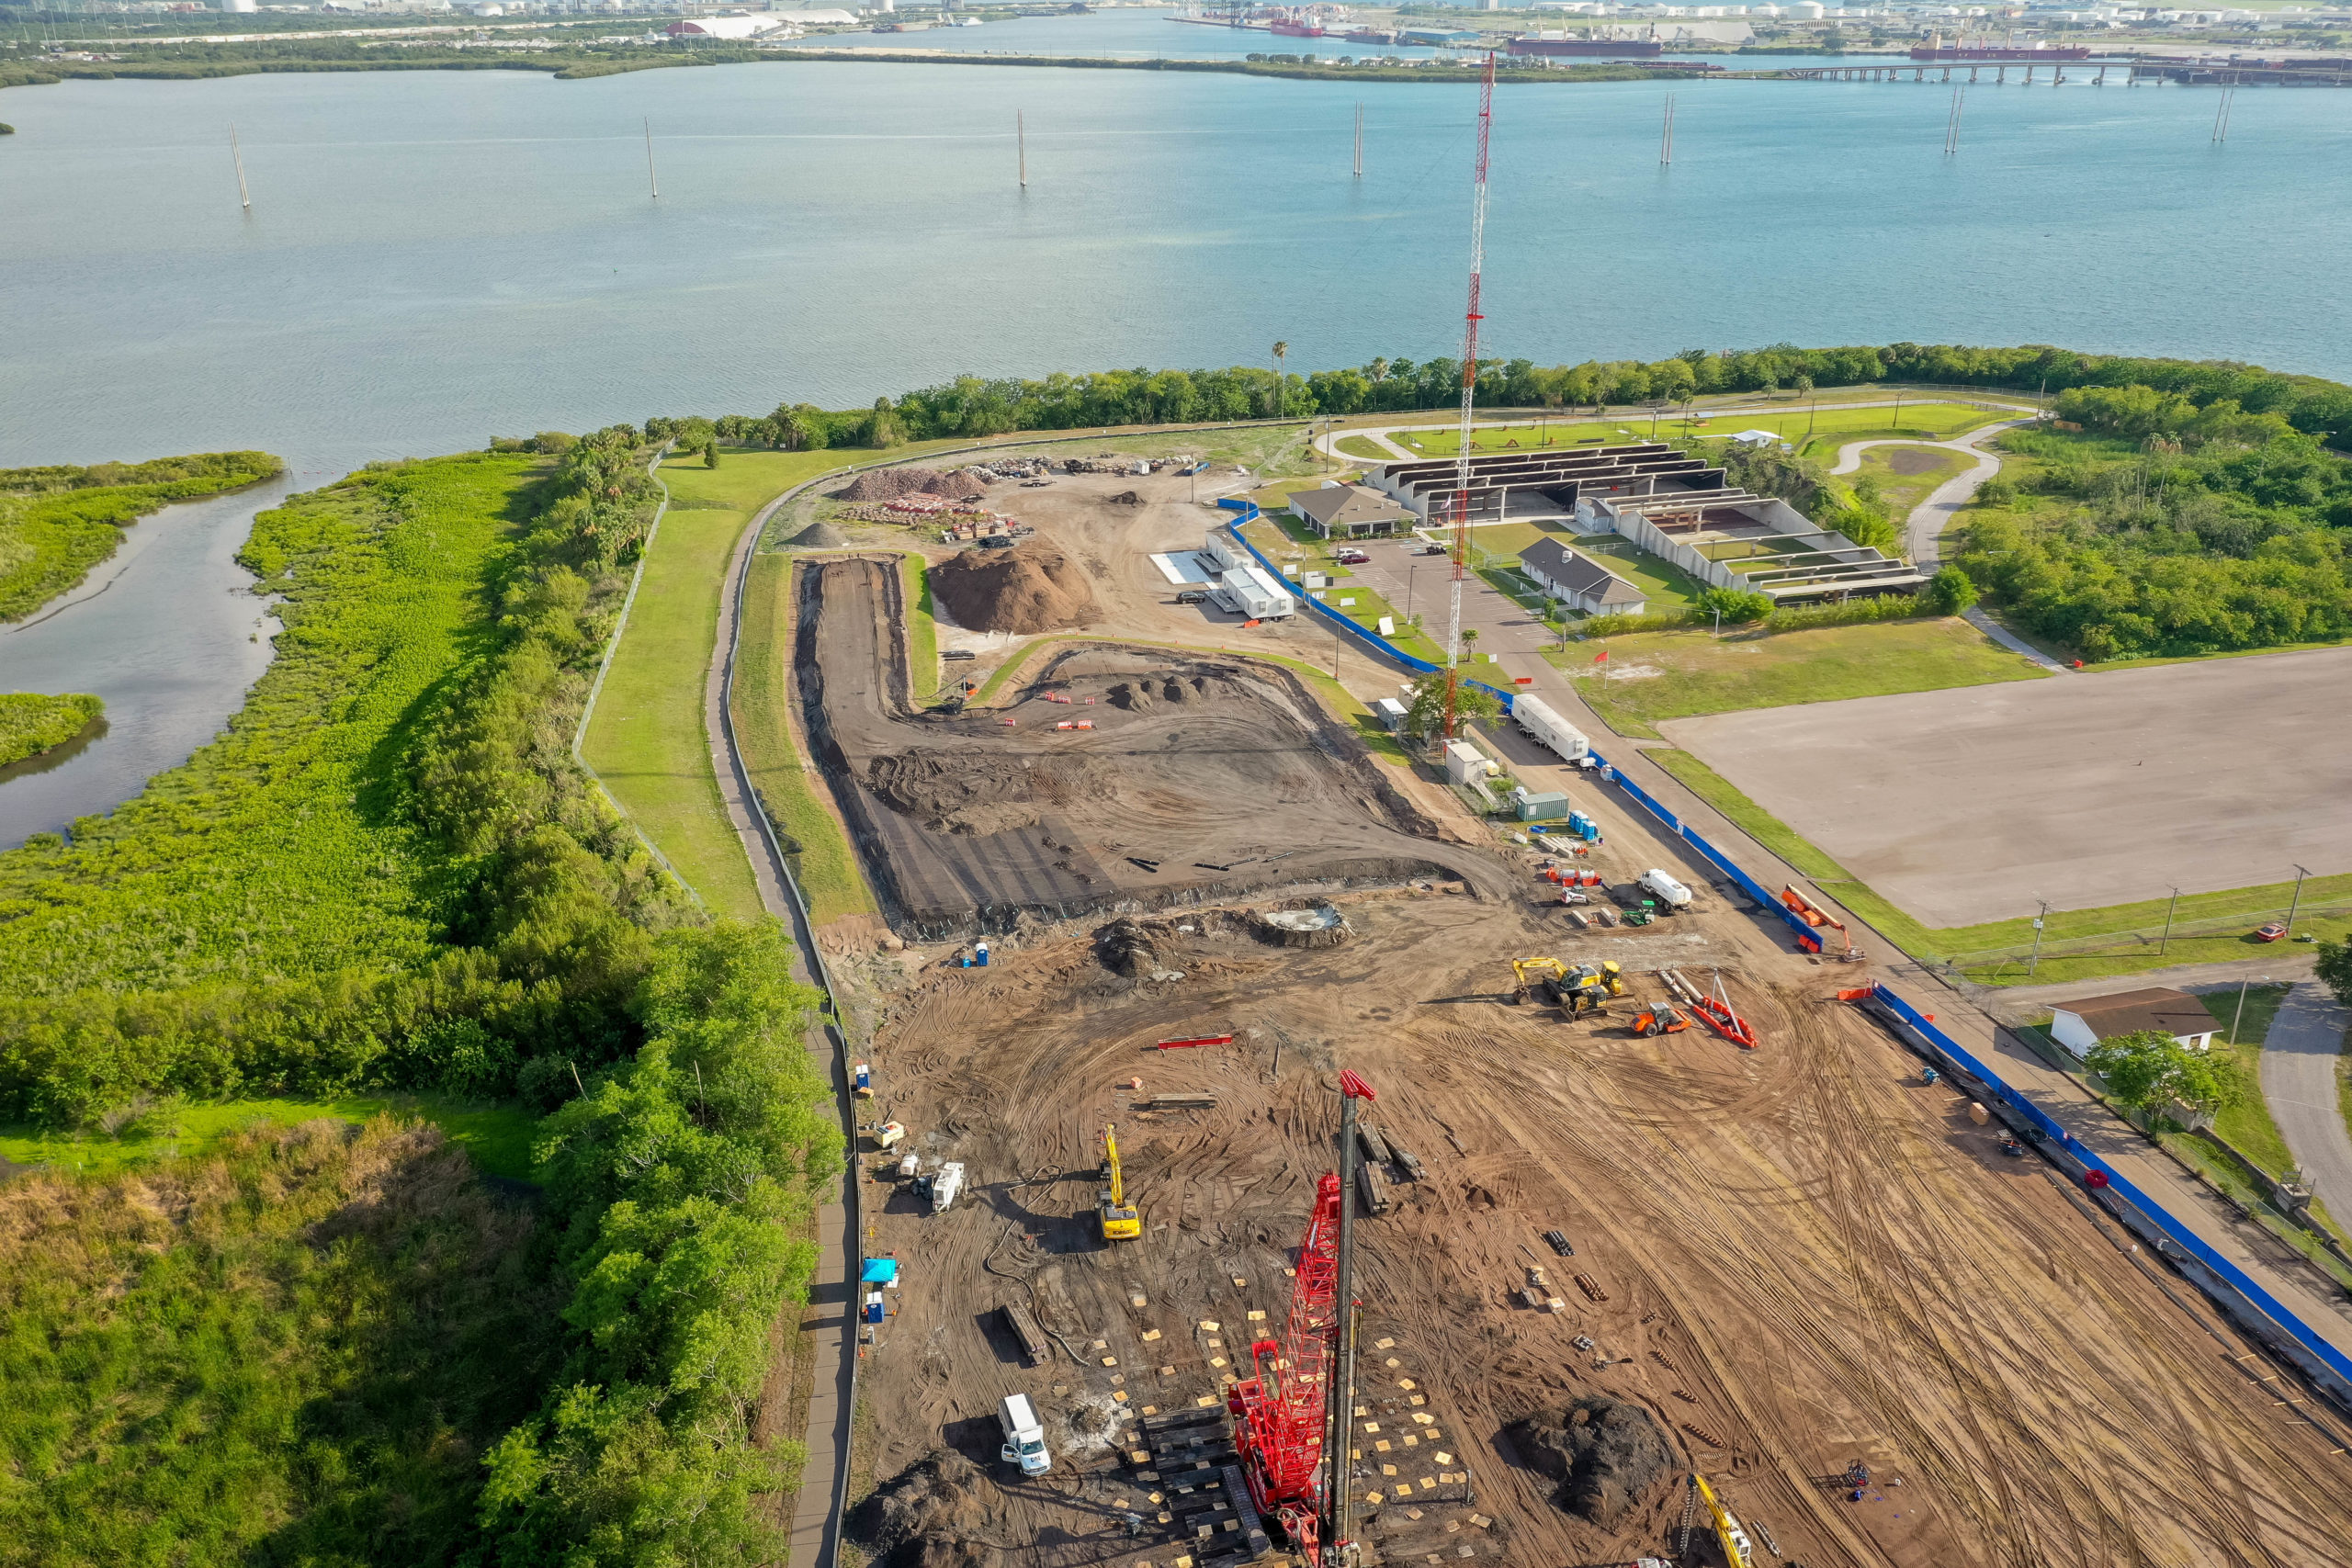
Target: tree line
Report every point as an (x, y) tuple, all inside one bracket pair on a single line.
[(391, 873), (972, 406)]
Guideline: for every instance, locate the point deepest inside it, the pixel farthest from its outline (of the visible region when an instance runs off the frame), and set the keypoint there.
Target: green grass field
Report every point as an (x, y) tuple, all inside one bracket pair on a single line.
[(2247, 1125), (822, 862), (498, 1136), (1365, 448), (1887, 420), (1902, 491), (2130, 954), (1700, 673)]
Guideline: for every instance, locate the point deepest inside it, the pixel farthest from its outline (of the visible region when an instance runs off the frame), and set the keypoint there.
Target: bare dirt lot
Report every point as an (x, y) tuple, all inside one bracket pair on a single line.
[(1968, 805), (1120, 777), (1798, 1257)]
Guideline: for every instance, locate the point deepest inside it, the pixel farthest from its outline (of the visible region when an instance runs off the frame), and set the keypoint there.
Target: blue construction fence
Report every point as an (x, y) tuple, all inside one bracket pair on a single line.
[(2189, 1243), (1371, 639), (2178, 1234)]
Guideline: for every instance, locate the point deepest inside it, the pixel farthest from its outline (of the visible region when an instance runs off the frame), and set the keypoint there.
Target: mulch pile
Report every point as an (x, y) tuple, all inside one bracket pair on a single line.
[(819, 537), (889, 484), (1604, 1453), (1031, 589)]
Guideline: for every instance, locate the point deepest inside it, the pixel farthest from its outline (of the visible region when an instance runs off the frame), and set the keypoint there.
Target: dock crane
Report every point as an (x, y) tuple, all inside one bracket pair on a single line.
[(1120, 1223), (1304, 1381)]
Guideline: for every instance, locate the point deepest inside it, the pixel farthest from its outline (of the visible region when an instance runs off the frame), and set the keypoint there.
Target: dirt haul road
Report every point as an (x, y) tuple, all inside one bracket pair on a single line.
[(1193, 775), (1799, 1257)]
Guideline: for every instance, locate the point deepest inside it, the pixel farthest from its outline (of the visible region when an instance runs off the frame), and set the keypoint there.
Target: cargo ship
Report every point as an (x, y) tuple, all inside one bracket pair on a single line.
[(1296, 29), (2029, 56), (1587, 48)]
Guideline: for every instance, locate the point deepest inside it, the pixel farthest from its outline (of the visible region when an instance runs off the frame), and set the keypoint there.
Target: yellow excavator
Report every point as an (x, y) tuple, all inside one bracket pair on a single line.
[(1530, 976), (1738, 1551), (1120, 1223)]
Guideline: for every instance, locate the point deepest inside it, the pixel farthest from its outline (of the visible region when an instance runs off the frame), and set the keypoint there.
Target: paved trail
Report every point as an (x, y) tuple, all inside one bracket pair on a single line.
[(2299, 1080)]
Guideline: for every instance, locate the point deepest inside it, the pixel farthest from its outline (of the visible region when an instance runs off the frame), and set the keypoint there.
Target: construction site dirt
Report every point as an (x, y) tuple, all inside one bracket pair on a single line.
[(1119, 778), (1792, 1258)]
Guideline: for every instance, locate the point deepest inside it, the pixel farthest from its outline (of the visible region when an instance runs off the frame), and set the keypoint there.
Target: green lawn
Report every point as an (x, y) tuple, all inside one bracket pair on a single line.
[(646, 739), (1701, 673), (822, 861), (1885, 420), (2247, 1125), (1365, 448), (2130, 954), (1902, 491), (497, 1137)]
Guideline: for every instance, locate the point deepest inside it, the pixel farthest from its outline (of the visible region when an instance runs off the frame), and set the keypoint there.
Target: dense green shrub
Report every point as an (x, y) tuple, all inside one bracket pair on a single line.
[(57, 523), (2122, 547), (1732, 606), (293, 1351), (389, 871), (31, 723)]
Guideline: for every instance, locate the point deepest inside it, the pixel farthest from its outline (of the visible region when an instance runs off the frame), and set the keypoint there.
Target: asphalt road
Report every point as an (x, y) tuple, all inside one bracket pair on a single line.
[(2298, 1061)]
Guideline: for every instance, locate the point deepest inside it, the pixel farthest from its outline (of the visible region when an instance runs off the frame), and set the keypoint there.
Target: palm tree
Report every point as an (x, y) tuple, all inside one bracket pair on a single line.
[(1281, 354)]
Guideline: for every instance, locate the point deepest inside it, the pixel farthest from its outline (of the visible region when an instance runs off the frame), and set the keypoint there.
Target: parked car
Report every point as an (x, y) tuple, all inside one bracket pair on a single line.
[(1429, 550), (1192, 596), (1351, 558), (2274, 931)]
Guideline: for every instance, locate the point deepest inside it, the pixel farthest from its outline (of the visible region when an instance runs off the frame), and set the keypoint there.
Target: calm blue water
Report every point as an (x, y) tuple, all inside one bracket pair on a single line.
[(436, 256)]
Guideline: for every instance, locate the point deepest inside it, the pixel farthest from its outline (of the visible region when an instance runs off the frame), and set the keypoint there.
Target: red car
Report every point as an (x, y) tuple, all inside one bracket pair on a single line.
[(1351, 558), (2272, 932)]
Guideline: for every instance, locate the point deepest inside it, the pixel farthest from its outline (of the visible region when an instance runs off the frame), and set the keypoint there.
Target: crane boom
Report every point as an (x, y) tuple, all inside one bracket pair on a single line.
[(1470, 321)]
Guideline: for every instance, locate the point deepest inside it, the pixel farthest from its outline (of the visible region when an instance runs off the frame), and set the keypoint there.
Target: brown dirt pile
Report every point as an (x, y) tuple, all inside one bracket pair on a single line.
[(1031, 589), (929, 1516), (889, 484), (951, 792), (1604, 1453)]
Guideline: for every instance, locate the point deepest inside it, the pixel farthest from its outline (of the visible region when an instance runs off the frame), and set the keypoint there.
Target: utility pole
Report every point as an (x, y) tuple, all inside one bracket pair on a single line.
[(1020, 136), (651, 176), (2165, 944), (2221, 115), (1666, 138), (2239, 1017), (2035, 961), (2297, 903), (1951, 123), (1359, 141), (237, 156), (1471, 318)]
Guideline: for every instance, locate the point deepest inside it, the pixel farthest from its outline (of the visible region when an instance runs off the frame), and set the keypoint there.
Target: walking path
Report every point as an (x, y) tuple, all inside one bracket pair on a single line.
[(1928, 518), (2298, 1064), (829, 1342)]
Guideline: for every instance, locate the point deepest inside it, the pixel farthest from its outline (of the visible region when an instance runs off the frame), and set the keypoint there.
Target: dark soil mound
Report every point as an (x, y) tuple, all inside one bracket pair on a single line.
[(1125, 947), (819, 537), (929, 1516), (982, 793), (1604, 1453), (1033, 589), (889, 484)]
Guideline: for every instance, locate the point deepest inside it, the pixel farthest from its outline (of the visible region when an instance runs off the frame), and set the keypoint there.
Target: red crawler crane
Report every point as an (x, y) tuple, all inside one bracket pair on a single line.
[(1279, 1413), (1283, 1412)]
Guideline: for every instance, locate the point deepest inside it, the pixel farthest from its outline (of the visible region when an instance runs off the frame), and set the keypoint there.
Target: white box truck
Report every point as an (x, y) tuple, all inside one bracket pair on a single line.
[(1664, 889), (1539, 723), (1025, 1435)]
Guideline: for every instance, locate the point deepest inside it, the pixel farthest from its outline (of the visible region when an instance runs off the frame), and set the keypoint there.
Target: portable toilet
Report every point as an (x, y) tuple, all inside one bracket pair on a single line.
[(1391, 713), (861, 1078), (980, 953), (1583, 826)]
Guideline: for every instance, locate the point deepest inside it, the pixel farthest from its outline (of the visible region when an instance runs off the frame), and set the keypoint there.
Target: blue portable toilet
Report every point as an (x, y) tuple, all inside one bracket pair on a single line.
[(1583, 826), (980, 953)]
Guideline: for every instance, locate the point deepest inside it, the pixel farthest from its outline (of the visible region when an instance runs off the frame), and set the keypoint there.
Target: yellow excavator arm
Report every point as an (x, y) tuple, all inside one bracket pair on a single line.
[(1120, 1223)]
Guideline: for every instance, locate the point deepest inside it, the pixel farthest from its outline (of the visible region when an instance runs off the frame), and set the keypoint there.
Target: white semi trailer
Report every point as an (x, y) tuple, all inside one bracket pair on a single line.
[(1535, 718)]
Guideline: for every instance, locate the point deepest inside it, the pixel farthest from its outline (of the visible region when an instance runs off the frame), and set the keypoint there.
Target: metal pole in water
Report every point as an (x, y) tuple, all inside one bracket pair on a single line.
[(651, 176), (237, 156), (1021, 134), (1359, 141)]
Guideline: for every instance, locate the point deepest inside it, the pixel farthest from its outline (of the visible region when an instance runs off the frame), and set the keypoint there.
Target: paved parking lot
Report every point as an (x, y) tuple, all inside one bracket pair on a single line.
[(1421, 581), (1968, 805)]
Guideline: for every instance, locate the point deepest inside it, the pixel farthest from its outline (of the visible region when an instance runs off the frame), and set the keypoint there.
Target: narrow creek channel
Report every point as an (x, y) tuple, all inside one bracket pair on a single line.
[(167, 633)]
